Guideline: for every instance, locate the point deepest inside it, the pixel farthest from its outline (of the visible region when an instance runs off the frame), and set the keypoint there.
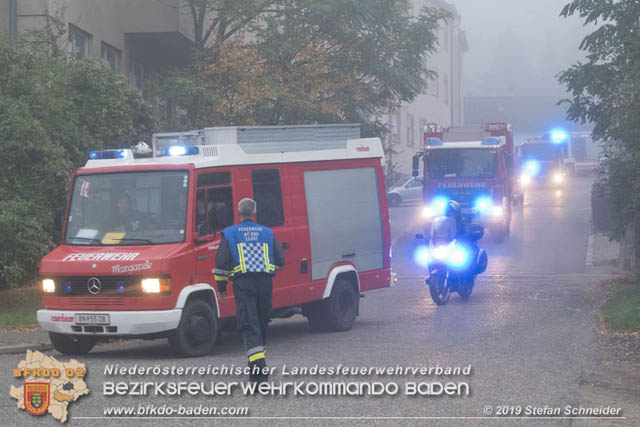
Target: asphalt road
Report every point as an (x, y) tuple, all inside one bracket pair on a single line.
[(528, 332)]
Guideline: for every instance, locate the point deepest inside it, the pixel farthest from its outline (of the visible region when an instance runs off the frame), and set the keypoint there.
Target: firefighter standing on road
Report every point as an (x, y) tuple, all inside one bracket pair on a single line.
[(250, 254)]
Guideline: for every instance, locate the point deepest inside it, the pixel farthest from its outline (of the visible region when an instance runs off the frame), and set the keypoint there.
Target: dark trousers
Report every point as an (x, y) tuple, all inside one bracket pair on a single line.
[(253, 293)]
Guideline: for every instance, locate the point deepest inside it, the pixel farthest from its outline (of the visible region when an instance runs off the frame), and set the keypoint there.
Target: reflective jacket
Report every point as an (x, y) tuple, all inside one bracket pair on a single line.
[(247, 248)]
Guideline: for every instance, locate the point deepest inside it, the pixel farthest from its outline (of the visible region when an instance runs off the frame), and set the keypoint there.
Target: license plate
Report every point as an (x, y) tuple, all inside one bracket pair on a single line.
[(92, 319)]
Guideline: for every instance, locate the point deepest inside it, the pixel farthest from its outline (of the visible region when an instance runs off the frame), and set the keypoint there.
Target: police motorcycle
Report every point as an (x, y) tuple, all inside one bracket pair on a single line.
[(452, 256)]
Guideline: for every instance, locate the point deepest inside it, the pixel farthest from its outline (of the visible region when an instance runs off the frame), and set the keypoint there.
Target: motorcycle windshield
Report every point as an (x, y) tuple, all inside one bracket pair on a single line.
[(443, 230)]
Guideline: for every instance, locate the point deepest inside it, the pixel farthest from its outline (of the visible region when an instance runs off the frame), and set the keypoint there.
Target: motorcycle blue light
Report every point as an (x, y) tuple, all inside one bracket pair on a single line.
[(459, 257), (532, 167), (483, 204), (558, 135), (422, 256)]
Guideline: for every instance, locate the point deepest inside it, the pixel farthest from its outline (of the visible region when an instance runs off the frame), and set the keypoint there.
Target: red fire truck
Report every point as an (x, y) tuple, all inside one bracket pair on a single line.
[(472, 165), (141, 233)]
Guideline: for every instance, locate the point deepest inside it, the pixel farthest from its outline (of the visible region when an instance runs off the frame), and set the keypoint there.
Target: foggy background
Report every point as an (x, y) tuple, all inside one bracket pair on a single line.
[(516, 47)]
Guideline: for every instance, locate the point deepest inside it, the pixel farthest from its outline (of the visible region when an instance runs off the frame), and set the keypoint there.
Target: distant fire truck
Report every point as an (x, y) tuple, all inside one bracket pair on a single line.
[(140, 235), (546, 160), (472, 165)]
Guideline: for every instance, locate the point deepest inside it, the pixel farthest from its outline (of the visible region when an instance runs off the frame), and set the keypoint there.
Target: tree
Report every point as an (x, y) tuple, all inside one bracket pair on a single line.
[(304, 61), (53, 111), (605, 91)]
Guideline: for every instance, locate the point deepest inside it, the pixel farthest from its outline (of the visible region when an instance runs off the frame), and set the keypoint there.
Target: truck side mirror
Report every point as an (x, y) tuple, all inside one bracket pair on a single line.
[(57, 219), (415, 165)]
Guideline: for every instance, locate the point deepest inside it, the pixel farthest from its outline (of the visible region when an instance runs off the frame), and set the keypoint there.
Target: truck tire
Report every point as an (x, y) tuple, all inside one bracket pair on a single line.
[(71, 344), (197, 331), (315, 315), (336, 313)]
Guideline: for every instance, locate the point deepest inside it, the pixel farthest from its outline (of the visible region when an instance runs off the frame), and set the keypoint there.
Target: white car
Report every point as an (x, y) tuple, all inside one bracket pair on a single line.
[(410, 191)]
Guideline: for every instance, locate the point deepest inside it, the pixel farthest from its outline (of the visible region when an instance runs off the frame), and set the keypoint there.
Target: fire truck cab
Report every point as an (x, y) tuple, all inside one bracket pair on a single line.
[(141, 233), (472, 165), (543, 160)]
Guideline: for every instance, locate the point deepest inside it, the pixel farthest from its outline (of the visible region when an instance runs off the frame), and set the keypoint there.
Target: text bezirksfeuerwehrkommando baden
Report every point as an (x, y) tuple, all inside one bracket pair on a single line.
[(285, 370)]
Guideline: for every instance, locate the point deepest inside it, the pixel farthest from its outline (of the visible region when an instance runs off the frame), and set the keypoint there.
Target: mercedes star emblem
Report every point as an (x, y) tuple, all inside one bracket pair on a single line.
[(94, 286)]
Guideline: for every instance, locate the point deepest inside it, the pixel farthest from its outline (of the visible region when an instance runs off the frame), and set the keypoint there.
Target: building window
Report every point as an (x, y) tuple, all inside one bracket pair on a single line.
[(410, 130), (268, 196), (421, 131), (136, 75), (111, 56), (78, 43), (445, 89)]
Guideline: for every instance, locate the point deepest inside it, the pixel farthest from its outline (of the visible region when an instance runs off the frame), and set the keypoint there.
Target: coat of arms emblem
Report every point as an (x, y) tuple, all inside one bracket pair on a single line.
[(36, 397)]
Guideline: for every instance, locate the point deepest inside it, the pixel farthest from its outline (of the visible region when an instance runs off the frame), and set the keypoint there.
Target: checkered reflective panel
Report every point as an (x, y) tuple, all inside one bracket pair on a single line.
[(254, 257)]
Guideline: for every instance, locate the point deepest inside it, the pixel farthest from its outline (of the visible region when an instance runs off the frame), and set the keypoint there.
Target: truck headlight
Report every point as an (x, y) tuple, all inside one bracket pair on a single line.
[(155, 285), (483, 205), (558, 177), (428, 212), (497, 212), (48, 286)]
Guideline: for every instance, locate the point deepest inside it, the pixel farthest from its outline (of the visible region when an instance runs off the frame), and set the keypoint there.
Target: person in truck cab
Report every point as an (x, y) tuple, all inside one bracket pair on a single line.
[(250, 255), (203, 213), (125, 217)]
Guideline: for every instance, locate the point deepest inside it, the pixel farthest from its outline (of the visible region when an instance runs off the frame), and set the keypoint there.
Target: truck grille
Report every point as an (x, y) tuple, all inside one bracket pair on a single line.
[(467, 196), (105, 286), (97, 302)]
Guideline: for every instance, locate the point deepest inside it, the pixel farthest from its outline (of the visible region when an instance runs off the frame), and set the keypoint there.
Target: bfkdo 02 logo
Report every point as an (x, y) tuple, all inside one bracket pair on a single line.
[(36, 397)]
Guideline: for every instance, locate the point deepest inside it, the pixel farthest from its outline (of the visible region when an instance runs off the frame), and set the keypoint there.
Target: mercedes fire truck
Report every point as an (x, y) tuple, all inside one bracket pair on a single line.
[(472, 165)]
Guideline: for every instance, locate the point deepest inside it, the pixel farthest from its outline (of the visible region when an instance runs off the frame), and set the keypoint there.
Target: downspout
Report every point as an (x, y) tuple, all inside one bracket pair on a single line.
[(451, 79), (13, 17)]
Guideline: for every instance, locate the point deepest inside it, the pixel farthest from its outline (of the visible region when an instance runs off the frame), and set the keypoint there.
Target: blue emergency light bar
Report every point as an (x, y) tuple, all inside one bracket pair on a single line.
[(558, 135), (107, 154), (433, 142), (490, 140), (181, 150)]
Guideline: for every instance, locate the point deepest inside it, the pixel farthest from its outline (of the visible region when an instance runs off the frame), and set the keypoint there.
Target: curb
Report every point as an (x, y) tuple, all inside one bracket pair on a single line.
[(21, 348)]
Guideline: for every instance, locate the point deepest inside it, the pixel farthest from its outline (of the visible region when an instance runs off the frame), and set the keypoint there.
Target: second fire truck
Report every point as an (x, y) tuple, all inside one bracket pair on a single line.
[(472, 165)]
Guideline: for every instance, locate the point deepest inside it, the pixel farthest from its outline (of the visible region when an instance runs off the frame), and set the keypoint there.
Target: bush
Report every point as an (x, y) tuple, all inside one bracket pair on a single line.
[(52, 113)]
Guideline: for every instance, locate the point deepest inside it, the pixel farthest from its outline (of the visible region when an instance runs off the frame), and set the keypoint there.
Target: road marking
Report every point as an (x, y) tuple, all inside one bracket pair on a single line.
[(589, 258)]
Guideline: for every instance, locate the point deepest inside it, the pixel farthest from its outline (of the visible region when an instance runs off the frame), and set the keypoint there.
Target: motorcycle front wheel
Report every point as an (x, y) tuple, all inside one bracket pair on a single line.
[(439, 289)]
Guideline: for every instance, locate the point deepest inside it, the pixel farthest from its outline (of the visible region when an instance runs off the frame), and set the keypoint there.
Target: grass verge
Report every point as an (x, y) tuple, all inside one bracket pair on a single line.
[(621, 311), (18, 307)]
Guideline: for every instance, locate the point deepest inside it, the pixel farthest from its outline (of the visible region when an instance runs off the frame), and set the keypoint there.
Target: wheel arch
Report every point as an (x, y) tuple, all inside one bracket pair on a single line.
[(344, 271), (203, 291)]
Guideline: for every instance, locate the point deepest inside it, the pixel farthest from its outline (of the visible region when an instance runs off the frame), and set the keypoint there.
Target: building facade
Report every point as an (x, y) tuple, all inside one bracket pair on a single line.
[(136, 38), (442, 103)]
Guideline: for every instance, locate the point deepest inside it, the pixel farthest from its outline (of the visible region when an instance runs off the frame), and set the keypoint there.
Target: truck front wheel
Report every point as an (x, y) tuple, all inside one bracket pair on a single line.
[(336, 313), (197, 332), (71, 344)]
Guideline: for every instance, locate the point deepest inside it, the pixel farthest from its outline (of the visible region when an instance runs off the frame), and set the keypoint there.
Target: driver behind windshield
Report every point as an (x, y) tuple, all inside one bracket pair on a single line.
[(125, 218)]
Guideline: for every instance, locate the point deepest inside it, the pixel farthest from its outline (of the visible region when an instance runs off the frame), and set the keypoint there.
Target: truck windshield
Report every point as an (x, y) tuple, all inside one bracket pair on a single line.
[(129, 208), (541, 151), (462, 163)]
